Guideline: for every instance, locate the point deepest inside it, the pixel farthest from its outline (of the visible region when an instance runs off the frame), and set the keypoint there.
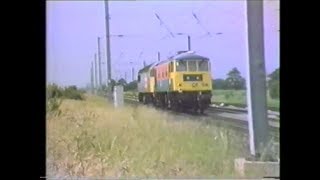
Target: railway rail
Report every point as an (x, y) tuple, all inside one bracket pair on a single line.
[(273, 115)]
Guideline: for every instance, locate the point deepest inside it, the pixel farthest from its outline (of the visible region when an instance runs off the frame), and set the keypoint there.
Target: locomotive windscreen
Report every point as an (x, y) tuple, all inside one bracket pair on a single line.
[(181, 66), (203, 65), (192, 65)]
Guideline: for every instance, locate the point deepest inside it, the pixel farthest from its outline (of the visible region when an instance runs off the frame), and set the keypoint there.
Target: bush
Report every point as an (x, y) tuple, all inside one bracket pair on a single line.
[(53, 91), (219, 84), (54, 94), (131, 86), (274, 84), (274, 89), (53, 105), (72, 92)]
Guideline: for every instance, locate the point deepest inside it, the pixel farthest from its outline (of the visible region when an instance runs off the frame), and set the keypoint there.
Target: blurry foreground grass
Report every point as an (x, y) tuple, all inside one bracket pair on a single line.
[(90, 138)]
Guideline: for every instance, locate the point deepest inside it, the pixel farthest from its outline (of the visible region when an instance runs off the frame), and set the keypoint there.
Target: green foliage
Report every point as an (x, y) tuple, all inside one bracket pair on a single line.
[(53, 105), (235, 80), (53, 91), (54, 94), (229, 95), (122, 82), (274, 89), (274, 84), (132, 86), (72, 92), (219, 84), (275, 75), (239, 98), (112, 83)]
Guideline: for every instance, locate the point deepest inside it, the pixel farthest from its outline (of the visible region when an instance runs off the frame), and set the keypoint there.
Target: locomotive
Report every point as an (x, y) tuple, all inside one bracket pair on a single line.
[(181, 82)]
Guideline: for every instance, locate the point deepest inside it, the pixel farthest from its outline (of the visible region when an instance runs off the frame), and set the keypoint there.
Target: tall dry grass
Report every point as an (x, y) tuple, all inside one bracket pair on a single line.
[(92, 139)]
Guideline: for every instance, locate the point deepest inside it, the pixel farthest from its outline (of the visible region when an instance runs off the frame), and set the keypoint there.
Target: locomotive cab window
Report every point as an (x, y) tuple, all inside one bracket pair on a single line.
[(192, 65), (171, 67), (138, 78), (152, 73), (181, 66), (203, 65)]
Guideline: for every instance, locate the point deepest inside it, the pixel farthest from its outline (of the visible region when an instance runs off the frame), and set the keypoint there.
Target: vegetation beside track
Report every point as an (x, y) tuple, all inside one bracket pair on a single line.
[(90, 138)]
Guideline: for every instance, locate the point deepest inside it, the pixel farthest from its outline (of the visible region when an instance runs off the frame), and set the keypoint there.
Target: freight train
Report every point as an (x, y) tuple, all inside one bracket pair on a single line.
[(183, 81)]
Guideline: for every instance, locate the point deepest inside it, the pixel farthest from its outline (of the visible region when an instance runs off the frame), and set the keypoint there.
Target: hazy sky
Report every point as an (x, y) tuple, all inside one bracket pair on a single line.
[(73, 28)]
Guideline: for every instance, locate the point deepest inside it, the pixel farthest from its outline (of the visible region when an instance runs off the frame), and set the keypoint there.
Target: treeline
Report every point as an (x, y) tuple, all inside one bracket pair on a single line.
[(56, 94), (69, 92), (235, 81), (131, 86), (274, 84)]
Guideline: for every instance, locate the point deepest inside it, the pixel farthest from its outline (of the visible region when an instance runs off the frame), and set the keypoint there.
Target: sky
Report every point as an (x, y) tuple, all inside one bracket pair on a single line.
[(73, 27)]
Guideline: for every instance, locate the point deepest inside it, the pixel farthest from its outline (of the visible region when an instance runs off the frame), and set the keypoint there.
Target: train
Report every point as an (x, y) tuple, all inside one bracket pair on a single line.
[(180, 82)]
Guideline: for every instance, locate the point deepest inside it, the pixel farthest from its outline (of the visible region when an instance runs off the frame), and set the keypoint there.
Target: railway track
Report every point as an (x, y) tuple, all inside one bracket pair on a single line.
[(229, 117), (271, 114)]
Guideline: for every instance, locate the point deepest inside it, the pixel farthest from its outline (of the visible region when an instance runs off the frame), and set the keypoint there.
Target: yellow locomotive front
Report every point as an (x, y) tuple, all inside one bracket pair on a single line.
[(191, 81), (191, 75)]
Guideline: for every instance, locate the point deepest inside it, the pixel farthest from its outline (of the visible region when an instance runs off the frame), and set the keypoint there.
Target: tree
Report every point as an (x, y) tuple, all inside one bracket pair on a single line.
[(219, 84), (131, 86), (112, 84), (73, 88), (235, 80), (275, 75), (54, 91), (122, 82), (274, 84), (72, 92), (104, 87)]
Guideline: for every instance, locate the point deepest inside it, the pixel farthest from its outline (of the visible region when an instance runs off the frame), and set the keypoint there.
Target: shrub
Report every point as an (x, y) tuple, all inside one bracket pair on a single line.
[(53, 105), (72, 92), (53, 91), (274, 89), (55, 94)]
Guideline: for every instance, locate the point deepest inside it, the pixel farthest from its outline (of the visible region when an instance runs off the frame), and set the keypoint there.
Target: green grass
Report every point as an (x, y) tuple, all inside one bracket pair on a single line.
[(238, 97), (232, 97), (90, 138), (133, 94)]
